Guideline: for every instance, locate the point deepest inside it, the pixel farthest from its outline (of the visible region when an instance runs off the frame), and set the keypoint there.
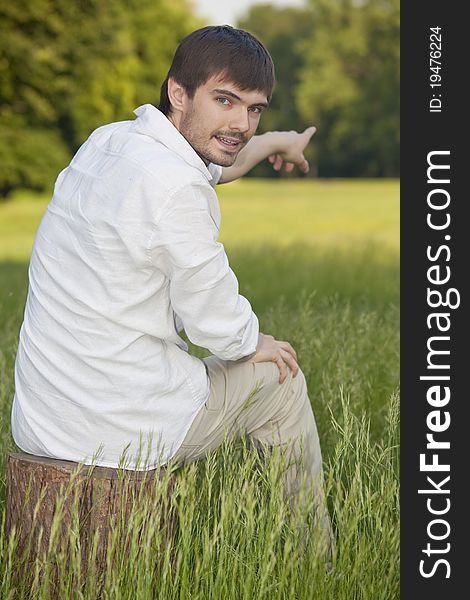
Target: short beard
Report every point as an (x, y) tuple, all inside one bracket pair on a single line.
[(186, 127)]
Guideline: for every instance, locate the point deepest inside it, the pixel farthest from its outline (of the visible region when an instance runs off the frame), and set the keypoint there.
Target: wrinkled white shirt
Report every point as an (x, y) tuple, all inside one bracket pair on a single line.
[(125, 256)]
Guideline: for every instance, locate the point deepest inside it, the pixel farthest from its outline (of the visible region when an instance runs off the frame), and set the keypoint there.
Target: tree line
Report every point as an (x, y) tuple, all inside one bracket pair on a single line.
[(68, 67)]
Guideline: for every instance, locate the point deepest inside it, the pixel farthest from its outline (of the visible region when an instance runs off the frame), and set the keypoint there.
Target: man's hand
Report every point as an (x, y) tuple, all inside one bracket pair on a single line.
[(278, 146), (281, 353), (292, 145)]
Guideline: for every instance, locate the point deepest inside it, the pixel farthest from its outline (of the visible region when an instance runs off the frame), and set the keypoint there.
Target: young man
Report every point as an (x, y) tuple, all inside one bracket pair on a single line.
[(127, 255)]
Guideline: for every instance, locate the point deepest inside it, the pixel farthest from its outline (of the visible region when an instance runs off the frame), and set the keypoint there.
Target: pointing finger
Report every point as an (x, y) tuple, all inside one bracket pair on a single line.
[(310, 131)]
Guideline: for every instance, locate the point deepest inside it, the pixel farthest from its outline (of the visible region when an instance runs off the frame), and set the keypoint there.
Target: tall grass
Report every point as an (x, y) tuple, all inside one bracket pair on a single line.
[(234, 536)]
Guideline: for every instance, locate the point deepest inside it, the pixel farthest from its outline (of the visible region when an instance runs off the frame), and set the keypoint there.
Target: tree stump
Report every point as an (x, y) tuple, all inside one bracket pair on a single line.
[(47, 498)]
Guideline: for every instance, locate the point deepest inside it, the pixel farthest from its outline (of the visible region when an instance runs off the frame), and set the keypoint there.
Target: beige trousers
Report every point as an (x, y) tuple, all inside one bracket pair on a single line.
[(247, 399)]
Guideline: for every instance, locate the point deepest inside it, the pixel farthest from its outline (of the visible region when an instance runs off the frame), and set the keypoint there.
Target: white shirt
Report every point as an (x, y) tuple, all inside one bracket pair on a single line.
[(125, 256)]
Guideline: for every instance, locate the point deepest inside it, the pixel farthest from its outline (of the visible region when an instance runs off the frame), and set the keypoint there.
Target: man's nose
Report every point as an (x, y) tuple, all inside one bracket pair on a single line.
[(240, 120)]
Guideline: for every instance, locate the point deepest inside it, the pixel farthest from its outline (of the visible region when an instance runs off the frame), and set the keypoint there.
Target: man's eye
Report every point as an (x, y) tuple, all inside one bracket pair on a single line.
[(224, 101), (256, 109)]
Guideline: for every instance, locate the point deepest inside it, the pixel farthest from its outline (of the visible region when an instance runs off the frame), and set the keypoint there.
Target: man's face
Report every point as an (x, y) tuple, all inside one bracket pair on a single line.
[(220, 120)]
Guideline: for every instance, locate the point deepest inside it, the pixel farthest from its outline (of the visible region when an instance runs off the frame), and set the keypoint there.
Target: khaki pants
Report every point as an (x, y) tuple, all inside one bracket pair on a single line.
[(247, 398)]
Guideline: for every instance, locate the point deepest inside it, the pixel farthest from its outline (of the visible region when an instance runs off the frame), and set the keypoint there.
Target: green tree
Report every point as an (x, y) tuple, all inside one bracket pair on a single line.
[(31, 148), (350, 86), (121, 53), (282, 30), (68, 67)]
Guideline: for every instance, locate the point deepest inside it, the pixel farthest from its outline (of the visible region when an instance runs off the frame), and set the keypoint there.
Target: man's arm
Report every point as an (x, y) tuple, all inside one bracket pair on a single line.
[(203, 289), (279, 146)]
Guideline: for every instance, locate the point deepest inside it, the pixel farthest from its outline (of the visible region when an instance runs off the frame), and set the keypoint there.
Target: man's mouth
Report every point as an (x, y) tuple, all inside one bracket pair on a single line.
[(228, 142)]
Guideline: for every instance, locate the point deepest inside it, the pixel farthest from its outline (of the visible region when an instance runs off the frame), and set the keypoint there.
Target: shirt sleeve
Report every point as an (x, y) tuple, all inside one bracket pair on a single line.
[(216, 172), (203, 288)]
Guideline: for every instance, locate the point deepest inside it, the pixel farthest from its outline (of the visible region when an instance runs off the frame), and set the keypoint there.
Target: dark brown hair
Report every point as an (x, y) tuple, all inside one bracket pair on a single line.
[(220, 49)]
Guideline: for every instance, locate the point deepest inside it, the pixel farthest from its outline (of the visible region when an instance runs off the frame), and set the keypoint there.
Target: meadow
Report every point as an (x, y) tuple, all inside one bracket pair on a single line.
[(319, 261)]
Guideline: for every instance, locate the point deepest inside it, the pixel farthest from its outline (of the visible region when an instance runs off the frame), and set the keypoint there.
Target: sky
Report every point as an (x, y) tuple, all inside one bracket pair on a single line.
[(225, 12)]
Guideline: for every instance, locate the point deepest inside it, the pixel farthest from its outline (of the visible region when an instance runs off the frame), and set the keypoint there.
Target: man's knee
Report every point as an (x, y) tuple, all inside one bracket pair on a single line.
[(293, 390), (286, 397), (269, 371), (297, 386), (298, 391), (299, 380)]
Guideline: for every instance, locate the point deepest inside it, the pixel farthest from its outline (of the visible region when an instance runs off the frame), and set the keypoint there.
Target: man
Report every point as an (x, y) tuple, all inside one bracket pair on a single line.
[(126, 256)]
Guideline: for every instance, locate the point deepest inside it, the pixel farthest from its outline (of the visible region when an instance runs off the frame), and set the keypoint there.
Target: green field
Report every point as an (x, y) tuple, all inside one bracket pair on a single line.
[(319, 262)]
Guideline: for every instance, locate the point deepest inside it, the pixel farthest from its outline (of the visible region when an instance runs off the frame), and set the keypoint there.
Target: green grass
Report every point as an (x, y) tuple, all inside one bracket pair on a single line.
[(322, 213), (319, 262)]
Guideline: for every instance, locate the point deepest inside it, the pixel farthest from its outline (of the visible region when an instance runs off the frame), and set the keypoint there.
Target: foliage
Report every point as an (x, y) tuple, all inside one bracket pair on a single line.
[(350, 86), (68, 67), (337, 65), (281, 30), (29, 156)]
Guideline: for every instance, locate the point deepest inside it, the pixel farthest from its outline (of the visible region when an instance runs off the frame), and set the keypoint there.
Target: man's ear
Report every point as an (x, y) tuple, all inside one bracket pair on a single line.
[(177, 95)]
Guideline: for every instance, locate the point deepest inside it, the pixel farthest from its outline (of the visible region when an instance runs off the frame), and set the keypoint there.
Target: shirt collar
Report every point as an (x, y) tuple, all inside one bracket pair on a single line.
[(152, 122)]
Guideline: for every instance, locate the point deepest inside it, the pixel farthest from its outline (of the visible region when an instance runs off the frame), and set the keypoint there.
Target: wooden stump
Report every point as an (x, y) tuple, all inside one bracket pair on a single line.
[(45, 496)]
